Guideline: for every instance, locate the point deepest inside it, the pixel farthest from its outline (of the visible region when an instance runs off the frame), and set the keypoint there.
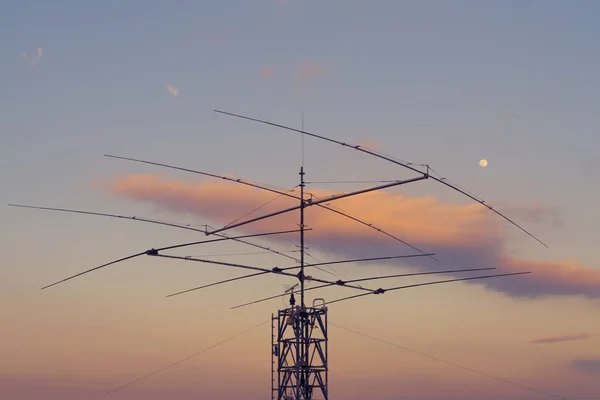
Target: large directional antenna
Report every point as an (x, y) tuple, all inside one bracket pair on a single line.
[(298, 375), (426, 175)]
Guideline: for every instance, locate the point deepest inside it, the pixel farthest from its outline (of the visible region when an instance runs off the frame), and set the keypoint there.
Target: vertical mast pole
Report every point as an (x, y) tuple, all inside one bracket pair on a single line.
[(301, 377), (302, 206), (303, 354), (302, 218)]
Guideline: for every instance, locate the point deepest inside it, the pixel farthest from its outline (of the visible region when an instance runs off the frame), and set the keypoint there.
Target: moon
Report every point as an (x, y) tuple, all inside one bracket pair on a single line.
[(483, 163)]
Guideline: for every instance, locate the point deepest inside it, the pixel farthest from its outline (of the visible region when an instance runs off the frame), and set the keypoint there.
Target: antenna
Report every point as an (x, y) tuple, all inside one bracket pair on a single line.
[(299, 332), (302, 138), (380, 155), (265, 187)]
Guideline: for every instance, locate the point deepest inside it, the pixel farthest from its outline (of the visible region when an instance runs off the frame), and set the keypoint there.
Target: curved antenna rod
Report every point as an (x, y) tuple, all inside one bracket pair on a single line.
[(305, 266), (381, 291), (361, 280), (94, 269), (225, 178), (483, 203), (356, 147), (282, 193), (153, 251), (373, 153), (151, 221), (276, 271)]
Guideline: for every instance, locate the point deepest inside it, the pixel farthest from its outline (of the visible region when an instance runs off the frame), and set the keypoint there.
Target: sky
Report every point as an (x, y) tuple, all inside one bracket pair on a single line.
[(441, 83)]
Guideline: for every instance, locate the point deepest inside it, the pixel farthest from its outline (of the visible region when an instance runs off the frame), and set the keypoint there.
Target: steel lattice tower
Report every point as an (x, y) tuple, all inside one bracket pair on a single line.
[(300, 353)]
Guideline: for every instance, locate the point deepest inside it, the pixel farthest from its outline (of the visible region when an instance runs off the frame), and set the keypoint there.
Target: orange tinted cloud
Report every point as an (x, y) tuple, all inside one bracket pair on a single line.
[(172, 90), (463, 236), (267, 72), (308, 70)]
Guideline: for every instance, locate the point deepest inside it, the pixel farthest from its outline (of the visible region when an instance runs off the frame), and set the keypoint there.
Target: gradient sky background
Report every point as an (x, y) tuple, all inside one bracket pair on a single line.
[(443, 83)]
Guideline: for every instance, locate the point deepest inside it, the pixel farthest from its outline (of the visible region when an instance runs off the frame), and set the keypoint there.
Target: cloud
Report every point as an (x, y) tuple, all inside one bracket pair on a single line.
[(587, 365), (34, 58), (462, 236), (535, 212), (267, 72), (308, 70), (559, 339), (172, 91)]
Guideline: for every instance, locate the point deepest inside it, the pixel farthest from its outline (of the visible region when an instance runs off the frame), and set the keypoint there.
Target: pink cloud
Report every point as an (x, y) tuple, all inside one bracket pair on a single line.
[(464, 236), (172, 90), (267, 72), (308, 70), (32, 59)]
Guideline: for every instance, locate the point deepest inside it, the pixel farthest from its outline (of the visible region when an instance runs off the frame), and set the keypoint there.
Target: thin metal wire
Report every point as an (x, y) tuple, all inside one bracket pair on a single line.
[(180, 361), (510, 382), (261, 206), (333, 270)]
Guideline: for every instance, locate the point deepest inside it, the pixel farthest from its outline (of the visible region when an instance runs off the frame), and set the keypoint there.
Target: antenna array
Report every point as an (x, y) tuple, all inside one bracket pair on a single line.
[(299, 332)]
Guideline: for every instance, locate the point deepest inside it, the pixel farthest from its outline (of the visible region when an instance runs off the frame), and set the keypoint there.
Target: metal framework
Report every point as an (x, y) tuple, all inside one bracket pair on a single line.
[(299, 355), (299, 352)]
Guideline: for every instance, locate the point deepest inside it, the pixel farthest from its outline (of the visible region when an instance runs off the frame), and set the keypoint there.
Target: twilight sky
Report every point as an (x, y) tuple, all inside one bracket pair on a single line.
[(444, 83)]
